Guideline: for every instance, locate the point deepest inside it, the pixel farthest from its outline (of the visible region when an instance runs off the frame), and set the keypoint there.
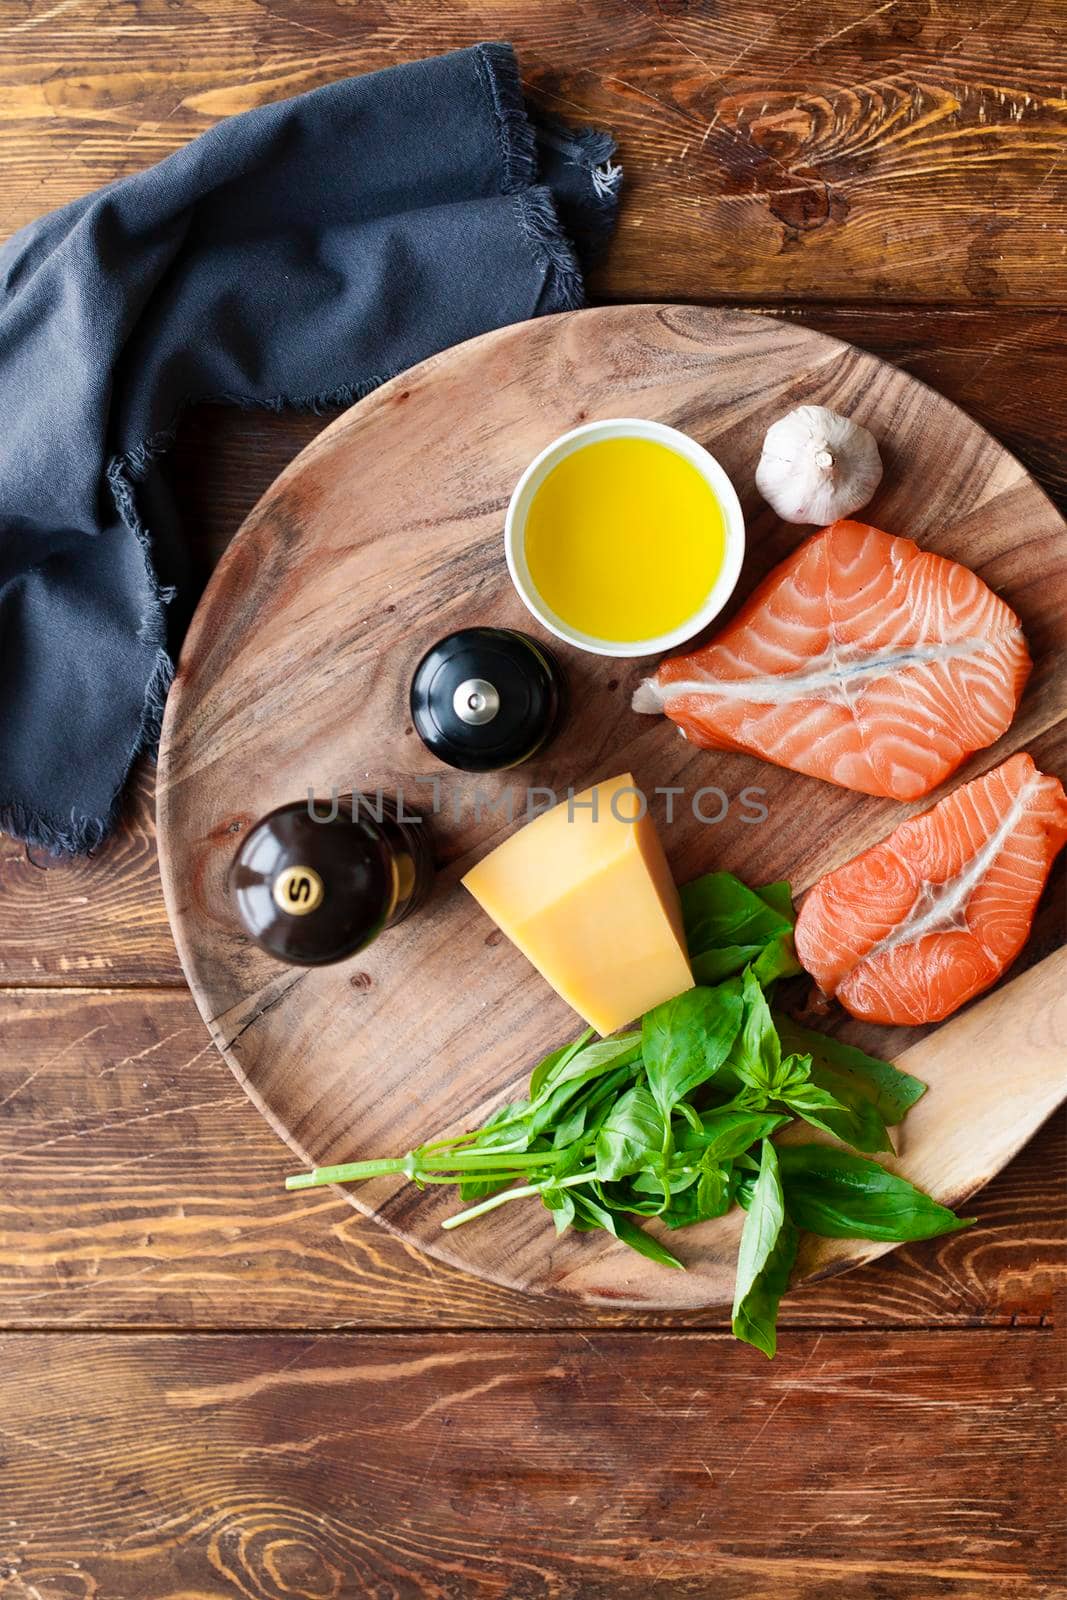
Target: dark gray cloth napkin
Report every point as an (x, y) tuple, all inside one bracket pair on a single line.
[(297, 255)]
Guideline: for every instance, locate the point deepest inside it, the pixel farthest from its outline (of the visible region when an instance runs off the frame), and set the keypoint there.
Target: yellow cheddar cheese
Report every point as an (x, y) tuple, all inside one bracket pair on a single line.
[(586, 894)]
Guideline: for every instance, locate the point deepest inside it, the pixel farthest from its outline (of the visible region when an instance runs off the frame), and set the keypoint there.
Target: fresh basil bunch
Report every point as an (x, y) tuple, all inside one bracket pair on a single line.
[(675, 1120)]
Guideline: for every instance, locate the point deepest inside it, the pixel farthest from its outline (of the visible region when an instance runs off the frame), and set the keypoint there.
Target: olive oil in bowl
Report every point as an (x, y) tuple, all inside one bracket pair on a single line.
[(625, 537)]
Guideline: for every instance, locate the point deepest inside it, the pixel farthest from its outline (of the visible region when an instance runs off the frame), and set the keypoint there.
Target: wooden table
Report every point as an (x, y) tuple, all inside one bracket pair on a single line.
[(210, 1388)]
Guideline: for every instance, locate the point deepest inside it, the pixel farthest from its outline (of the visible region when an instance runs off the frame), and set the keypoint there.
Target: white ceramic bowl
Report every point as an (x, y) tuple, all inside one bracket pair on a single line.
[(624, 428)]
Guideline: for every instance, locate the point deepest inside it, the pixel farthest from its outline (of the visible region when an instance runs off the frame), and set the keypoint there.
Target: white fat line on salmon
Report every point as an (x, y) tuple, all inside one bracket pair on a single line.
[(942, 907), (833, 671)]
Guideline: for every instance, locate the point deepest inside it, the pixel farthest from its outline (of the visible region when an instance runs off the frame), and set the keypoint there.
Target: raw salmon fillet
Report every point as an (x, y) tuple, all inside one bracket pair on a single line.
[(862, 660), (909, 930)]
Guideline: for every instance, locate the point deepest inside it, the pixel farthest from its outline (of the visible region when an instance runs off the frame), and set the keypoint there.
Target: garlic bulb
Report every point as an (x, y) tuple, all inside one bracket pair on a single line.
[(817, 466)]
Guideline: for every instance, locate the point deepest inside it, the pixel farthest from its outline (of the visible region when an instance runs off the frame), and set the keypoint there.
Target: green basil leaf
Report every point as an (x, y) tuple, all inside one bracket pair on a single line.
[(685, 1041), (792, 1079), (572, 1060), (712, 966), (628, 1197), (544, 1069), (719, 910), (569, 1159), (844, 1112), (578, 1066), (711, 1196), (755, 1315), (841, 1196), (727, 1134), (889, 1090), (729, 926), (561, 1204), (713, 1189), (650, 1182), (682, 1210), (635, 1236), (806, 1097), (765, 1259), (587, 1110), (779, 896), (589, 1214), (631, 1135), (756, 1054), (646, 1182), (857, 1123), (777, 959), (572, 1125), (491, 1136), (593, 1062)]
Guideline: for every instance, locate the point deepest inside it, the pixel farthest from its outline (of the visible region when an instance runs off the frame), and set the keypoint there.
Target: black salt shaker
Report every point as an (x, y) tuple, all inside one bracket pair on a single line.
[(315, 882)]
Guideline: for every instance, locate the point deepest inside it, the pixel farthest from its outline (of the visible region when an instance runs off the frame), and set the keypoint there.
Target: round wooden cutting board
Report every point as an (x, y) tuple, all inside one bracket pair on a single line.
[(386, 533)]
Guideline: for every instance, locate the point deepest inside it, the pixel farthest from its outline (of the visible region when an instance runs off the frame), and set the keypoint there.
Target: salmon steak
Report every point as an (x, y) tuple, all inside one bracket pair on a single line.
[(862, 660), (911, 929)]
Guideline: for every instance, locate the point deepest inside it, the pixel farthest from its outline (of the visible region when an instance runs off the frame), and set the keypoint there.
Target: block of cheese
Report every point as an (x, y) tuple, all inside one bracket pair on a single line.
[(586, 894)]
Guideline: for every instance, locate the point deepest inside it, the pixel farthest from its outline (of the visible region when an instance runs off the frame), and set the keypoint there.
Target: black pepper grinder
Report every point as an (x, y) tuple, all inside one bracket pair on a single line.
[(316, 882), (485, 699)]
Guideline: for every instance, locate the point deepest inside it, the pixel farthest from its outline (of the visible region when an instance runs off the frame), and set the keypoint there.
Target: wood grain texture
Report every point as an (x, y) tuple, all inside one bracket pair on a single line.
[(89, 919), (141, 1189), (910, 149), (473, 1468), (1005, 368), (293, 677)]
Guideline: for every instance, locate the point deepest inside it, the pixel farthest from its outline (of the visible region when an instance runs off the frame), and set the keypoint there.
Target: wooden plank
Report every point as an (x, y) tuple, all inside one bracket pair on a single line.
[(141, 1189), (1004, 367), (89, 919), (527, 1466), (845, 152)]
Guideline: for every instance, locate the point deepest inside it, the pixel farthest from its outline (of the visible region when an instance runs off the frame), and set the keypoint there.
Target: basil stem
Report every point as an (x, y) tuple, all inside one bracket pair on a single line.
[(421, 1167), (522, 1193)]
